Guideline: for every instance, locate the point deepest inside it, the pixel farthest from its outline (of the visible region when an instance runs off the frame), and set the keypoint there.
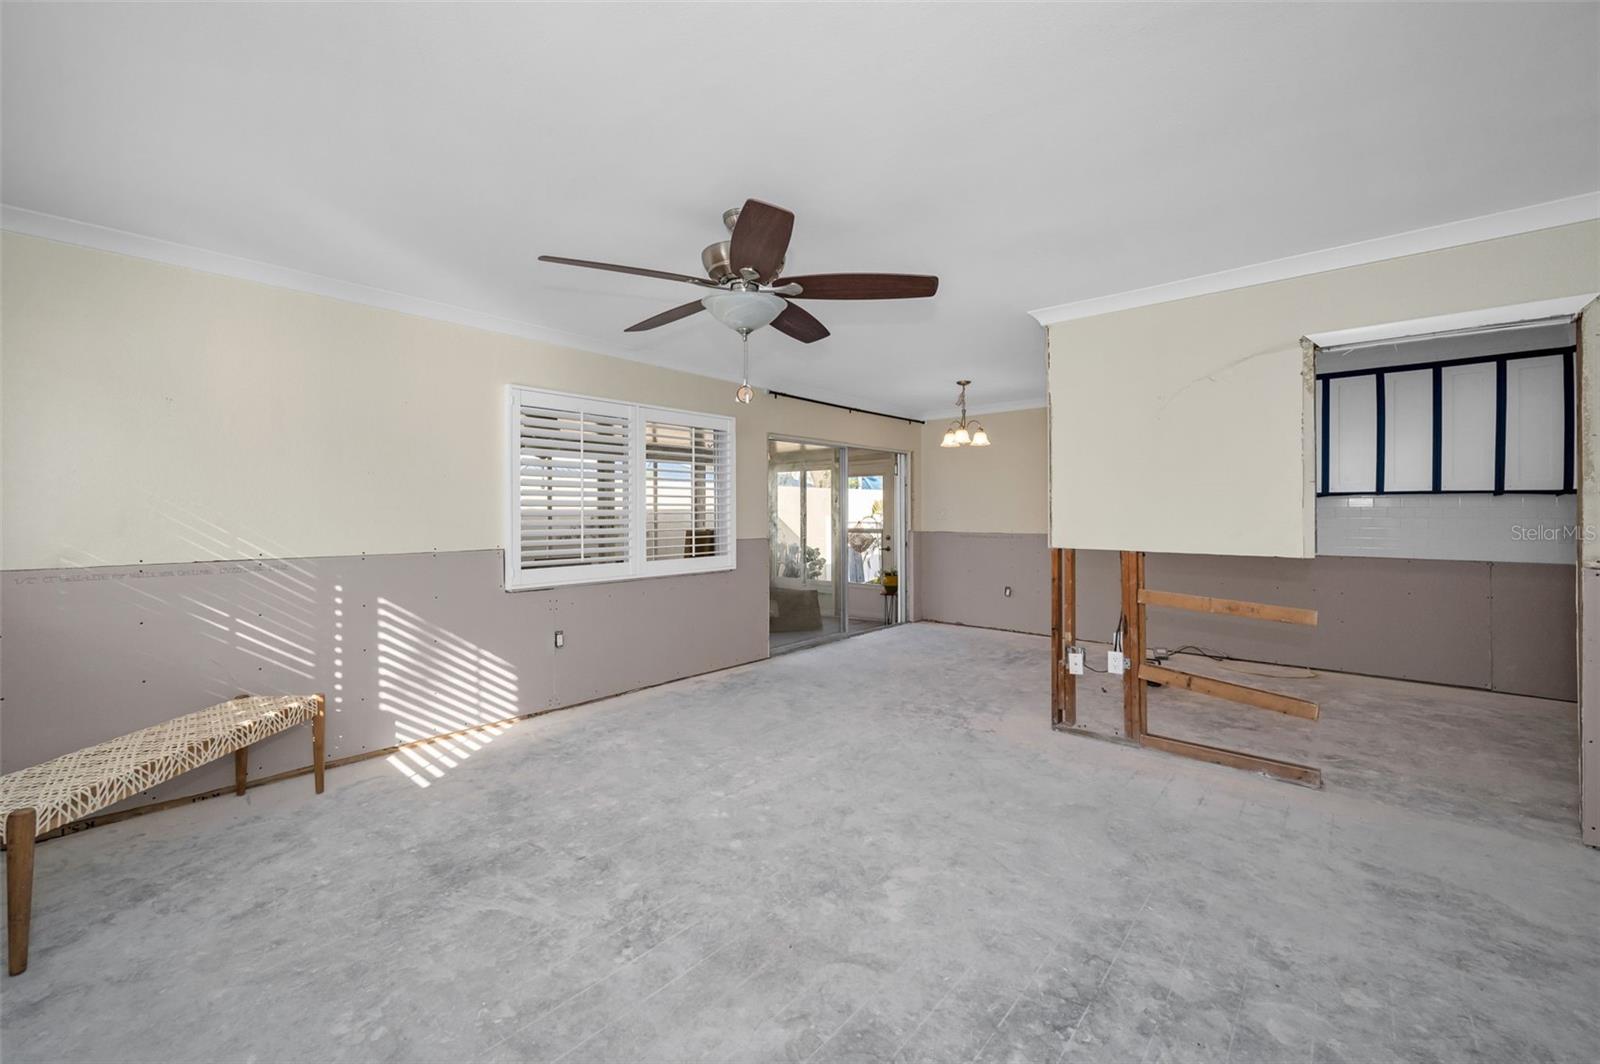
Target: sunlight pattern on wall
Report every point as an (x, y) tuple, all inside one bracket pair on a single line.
[(433, 681)]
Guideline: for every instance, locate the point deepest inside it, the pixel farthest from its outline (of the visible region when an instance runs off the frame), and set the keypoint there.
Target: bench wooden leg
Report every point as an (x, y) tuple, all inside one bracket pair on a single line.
[(319, 737), (241, 767), (20, 825)]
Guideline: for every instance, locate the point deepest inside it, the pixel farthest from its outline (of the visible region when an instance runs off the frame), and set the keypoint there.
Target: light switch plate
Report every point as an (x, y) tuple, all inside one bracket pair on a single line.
[(1075, 662), (1114, 662)]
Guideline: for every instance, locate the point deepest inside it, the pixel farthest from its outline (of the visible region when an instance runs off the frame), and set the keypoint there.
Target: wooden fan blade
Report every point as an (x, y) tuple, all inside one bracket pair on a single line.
[(667, 316), (760, 239), (638, 271), (862, 286), (799, 324)]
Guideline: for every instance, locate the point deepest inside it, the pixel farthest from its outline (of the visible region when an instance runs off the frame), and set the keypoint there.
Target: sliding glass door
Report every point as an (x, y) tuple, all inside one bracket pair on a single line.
[(835, 540)]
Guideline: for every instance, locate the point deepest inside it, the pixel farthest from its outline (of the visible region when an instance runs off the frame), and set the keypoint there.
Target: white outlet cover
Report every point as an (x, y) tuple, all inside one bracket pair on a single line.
[(1114, 662), (1075, 662)]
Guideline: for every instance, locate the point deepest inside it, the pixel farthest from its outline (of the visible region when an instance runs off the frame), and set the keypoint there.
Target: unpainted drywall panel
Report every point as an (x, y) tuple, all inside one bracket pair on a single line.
[(1415, 620), (1589, 704), (244, 421), (1187, 427), (961, 578), (405, 646), (1533, 623)]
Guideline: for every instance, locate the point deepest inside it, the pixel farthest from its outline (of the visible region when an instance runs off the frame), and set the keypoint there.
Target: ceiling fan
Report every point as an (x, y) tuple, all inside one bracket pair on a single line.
[(749, 291)]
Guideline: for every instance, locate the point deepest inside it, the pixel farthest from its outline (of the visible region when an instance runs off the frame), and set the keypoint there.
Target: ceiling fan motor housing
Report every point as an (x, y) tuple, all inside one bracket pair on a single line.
[(718, 265), (715, 259)]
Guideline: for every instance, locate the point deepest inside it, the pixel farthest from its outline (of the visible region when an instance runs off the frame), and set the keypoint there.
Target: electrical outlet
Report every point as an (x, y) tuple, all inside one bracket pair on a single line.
[(1115, 662), (561, 639), (1008, 592), (1075, 661)]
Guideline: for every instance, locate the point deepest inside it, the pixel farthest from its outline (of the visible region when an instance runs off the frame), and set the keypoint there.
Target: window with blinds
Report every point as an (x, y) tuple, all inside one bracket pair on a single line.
[(688, 491), (601, 490)]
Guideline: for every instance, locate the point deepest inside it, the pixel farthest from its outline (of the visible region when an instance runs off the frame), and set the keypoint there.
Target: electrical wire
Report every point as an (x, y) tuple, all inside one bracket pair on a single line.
[(1232, 664)]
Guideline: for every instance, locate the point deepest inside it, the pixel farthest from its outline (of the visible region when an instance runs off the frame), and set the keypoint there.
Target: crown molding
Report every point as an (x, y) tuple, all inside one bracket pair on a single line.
[(1581, 208), (136, 245)]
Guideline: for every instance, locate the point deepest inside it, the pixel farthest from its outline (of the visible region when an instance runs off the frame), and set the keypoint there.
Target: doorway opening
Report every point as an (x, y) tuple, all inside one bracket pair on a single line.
[(836, 538)]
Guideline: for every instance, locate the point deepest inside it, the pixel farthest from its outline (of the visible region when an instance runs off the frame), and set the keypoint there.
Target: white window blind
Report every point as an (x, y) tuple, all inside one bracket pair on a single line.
[(601, 490), (688, 489)]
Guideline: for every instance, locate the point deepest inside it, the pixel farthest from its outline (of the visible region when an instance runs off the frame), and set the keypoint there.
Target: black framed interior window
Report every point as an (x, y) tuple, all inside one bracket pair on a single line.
[(1490, 424)]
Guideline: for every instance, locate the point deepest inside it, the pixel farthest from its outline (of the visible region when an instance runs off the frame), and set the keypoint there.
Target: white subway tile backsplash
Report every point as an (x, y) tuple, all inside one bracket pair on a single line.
[(1499, 528)]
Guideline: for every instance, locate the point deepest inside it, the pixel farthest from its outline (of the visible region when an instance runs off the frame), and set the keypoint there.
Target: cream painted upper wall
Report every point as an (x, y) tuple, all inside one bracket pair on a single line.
[(999, 488), (1187, 426), (1588, 422), (158, 414)]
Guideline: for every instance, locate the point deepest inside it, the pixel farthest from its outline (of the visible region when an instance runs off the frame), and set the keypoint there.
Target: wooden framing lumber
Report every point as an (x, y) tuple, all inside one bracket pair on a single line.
[(1283, 770), (1134, 709), (1232, 692), (1228, 607), (1063, 634)]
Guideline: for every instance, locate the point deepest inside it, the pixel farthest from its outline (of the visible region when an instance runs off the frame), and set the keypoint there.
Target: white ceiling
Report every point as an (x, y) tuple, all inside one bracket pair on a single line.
[(1029, 155)]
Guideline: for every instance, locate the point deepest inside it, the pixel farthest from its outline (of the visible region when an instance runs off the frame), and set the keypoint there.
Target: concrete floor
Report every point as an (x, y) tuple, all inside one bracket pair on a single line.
[(873, 850), (783, 642)]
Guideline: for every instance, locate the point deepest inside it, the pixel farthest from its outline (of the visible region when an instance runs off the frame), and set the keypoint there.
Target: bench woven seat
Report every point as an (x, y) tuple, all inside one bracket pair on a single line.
[(86, 781), (37, 800)]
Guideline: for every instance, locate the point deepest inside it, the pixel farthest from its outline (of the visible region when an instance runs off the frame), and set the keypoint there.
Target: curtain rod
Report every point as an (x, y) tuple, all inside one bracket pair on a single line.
[(850, 409)]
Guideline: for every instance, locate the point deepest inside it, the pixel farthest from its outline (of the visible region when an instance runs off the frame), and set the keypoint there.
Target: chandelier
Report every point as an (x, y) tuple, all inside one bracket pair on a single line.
[(964, 433)]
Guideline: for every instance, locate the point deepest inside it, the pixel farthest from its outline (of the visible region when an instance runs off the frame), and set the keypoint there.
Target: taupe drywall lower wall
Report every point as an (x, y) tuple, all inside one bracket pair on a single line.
[(1503, 626), (405, 645), (1589, 712), (961, 577)]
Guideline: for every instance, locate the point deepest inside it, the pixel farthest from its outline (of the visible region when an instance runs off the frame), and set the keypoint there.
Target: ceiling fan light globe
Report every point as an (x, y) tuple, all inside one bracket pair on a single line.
[(744, 311)]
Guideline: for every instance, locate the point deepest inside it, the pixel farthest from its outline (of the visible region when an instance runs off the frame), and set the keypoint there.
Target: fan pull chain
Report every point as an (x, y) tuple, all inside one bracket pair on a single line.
[(745, 393)]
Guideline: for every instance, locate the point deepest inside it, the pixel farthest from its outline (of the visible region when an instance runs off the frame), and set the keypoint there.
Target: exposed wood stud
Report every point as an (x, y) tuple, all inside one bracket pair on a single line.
[(1134, 706), (1283, 770), (1232, 692), (1057, 673), (1063, 634), (1228, 607)]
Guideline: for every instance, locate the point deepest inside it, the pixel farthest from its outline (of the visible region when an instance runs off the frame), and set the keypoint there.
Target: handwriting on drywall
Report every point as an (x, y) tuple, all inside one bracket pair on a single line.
[(78, 576)]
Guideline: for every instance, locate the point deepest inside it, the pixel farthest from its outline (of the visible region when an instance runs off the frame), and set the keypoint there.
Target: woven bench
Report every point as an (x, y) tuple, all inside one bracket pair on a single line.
[(40, 799)]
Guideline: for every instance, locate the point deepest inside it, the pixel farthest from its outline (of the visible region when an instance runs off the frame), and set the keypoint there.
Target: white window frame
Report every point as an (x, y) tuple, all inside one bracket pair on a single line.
[(637, 567)]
